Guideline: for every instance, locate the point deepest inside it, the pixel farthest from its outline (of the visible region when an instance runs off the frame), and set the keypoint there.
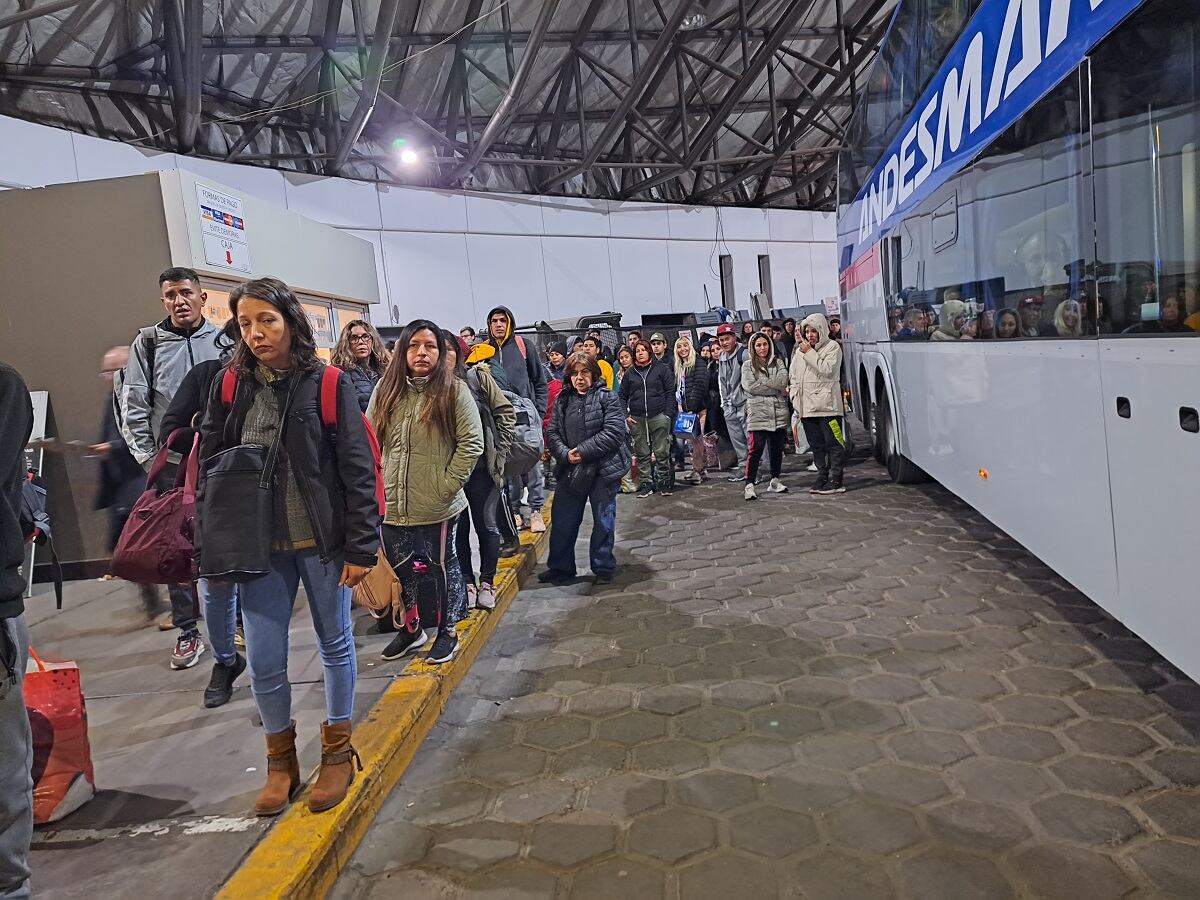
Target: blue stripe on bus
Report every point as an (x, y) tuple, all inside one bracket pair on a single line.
[(1009, 56)]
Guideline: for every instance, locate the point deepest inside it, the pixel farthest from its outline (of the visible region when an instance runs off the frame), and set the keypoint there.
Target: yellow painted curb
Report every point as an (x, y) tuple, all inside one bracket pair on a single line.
[(302, 854)]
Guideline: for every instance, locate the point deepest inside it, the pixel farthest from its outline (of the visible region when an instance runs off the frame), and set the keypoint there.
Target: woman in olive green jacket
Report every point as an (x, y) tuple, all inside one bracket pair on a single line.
[(431, 436)]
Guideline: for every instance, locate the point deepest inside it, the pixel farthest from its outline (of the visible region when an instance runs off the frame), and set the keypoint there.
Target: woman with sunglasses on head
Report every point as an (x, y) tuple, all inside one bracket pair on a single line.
[(324, 526), (431, 437), (361, 355)]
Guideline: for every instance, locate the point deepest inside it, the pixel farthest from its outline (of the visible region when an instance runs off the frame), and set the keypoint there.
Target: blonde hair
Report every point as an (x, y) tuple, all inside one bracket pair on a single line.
[(685, 365)]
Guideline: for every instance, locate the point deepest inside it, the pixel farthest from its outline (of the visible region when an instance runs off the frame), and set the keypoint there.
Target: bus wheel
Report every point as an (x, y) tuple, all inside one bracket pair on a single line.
[(902, 469)]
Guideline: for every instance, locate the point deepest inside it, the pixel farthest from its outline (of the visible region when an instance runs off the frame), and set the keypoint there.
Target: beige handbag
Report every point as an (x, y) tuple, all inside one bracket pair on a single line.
[(379, 592)]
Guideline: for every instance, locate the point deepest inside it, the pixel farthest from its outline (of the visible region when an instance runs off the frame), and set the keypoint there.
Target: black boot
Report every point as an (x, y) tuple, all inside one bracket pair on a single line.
[(220, 685)]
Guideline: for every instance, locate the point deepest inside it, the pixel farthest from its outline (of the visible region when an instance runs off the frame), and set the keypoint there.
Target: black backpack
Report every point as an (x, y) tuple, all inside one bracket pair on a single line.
[(35, 525)]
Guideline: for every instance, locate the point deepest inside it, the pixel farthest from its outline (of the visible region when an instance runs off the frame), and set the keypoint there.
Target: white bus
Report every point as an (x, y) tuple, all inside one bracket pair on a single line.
[(1019, 239)]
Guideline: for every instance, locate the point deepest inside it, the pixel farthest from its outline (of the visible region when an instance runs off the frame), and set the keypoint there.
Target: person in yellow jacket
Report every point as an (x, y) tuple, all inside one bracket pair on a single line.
[(591, 346)]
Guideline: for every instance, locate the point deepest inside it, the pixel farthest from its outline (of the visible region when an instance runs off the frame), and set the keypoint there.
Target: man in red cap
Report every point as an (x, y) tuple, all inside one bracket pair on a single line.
[(733, 398)]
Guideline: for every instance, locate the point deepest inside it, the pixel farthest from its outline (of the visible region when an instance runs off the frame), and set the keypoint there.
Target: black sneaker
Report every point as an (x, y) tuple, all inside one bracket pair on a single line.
[(553, 576), (385, 625), (735, 478), (405, 642), (819, 487), (603, 578), (832, 489), (445, 648), (644, 493), (220, 685)]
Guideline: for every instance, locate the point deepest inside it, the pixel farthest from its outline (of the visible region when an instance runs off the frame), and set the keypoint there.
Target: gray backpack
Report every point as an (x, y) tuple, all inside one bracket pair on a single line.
[(526, 449)]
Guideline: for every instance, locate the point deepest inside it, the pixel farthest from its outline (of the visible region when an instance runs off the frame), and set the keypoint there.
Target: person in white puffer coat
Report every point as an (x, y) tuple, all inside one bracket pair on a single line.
[(814, 386)]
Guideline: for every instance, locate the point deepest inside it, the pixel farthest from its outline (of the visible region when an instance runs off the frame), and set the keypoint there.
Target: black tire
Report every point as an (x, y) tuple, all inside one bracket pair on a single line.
[(900, 468)]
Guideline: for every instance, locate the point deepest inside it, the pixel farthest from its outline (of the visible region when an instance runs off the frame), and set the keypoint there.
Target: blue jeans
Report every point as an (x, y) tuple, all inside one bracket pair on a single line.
[(266, 613), (16, 758), (568, 516), (220, 615)]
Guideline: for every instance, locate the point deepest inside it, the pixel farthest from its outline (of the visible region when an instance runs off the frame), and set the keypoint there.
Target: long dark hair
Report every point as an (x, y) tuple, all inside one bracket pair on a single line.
[(439, 407), (303, 353), (453, 345), (625, 349), (762, 364)]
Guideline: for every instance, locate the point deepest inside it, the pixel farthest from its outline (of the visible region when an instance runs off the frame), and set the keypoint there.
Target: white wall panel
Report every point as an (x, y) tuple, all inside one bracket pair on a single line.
[(417, 209), (641, 277), (746, 224), (34, 156), (791, 274), (790, 224), (428, 276), (745, 268), (691, 270), (824, 226), (824, 270), (96, 159), (508, 271), (578, 276), (504, 214), (376, 240), (334, 201), (266, 184), (639, 220), (692, 223), (575, 216)]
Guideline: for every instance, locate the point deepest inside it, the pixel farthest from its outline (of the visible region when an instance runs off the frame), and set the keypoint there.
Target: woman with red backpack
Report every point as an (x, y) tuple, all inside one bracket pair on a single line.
[(322, 523)]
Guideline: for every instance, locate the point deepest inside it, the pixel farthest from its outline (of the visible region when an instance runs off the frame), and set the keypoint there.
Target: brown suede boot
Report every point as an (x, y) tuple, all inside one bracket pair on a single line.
[(283, 774), (336, 772)]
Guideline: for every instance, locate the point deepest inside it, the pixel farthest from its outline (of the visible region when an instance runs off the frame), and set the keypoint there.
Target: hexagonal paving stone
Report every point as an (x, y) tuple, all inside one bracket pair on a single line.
[(862, 825), (814, 691), (772, 832), (708, 725), (392, 844), (893, 688), (831, 875), (625, 796), (513, 881), (755, 754), (1001, 780), (632, 728), (1030, 709), (806, 788), (673, 834), (1085, 820), (843, 752), (903, 784), (743, 694), (1019, 742), (672, 757), (843, 667), (716, 790), (1057, 872), (468, 848), (910, 662), (1045, 680), (930, 748), (568, 844), (1176, 812), (449, 802), (1180, 766), (948, 713), (507, 765), (969, 685), (865, 717), (1111, 704), (1110, 738), (983, 826), (589, 761), (949, 875), (1173, 867), (601, 701), (787, 721), (1097, 775), (727, 874), (557, 733), (670, 699), (621, 877), (530, 802)]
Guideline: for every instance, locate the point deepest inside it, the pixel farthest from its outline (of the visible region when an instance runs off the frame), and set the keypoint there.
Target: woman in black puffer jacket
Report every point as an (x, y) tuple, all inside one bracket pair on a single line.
[(361, 355), (590, 446), (691, 378)]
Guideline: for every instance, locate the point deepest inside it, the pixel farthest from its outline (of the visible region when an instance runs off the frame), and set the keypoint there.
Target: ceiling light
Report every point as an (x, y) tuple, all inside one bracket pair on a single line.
[(693, 20), (409, 156)]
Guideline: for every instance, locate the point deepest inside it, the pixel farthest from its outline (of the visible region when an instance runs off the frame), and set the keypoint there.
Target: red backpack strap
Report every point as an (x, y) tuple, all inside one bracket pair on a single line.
[(328, 402), (228, 386), (521, 346)]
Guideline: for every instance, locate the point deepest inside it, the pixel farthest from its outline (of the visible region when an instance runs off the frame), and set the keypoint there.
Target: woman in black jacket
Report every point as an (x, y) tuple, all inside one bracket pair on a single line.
[(324, 528), (691, 376), (361, 355), (590, 448), (648, 395)]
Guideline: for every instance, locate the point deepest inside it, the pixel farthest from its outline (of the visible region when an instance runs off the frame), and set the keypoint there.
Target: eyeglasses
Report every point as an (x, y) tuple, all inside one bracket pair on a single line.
[(360, 339)]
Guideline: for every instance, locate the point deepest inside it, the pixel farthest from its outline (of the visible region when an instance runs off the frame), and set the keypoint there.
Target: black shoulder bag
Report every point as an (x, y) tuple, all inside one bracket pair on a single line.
[(236, 515)]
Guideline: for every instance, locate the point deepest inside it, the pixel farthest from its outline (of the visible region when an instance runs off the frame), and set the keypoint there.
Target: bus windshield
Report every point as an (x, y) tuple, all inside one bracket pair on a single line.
[(912, 51)]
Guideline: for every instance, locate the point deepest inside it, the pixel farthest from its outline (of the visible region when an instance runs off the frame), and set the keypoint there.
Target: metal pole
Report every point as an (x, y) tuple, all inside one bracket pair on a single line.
[(380, 43)]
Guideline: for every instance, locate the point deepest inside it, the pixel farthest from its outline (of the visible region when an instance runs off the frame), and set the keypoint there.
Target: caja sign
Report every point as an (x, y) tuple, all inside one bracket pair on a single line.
[(1011, 53)]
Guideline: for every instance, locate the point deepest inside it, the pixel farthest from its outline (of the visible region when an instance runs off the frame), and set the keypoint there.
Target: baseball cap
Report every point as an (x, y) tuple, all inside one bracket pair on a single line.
[(1030, 301), (725, 329), (657, 336)]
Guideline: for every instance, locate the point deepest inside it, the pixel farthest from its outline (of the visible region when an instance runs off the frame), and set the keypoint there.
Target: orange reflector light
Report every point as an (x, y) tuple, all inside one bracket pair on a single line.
[(983, 473)]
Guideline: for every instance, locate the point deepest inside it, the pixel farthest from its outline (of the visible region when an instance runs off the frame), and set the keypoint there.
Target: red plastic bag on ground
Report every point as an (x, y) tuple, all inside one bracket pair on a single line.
[(63, 776)]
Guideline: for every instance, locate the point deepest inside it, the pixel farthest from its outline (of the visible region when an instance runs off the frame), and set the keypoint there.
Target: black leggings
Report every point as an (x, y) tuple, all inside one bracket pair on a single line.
[(759, 440), (426, 560), (483, 499)]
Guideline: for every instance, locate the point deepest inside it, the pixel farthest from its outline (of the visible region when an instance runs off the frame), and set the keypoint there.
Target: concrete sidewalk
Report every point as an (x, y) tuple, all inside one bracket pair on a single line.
[(175, 782)]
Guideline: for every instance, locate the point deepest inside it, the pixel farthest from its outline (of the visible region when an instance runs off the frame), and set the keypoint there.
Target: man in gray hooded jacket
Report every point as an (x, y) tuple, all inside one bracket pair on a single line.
[(733, 397), (160, 356)]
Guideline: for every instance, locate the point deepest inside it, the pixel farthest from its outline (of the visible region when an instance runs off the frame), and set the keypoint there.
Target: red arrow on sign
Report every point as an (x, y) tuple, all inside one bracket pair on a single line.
[(228, 258)]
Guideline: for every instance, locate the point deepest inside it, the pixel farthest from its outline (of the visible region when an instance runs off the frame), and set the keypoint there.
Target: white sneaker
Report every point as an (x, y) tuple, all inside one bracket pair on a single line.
[(812, 467), (777, 487), (749, 493), (485, 598), (693, 478), (471, 593)]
